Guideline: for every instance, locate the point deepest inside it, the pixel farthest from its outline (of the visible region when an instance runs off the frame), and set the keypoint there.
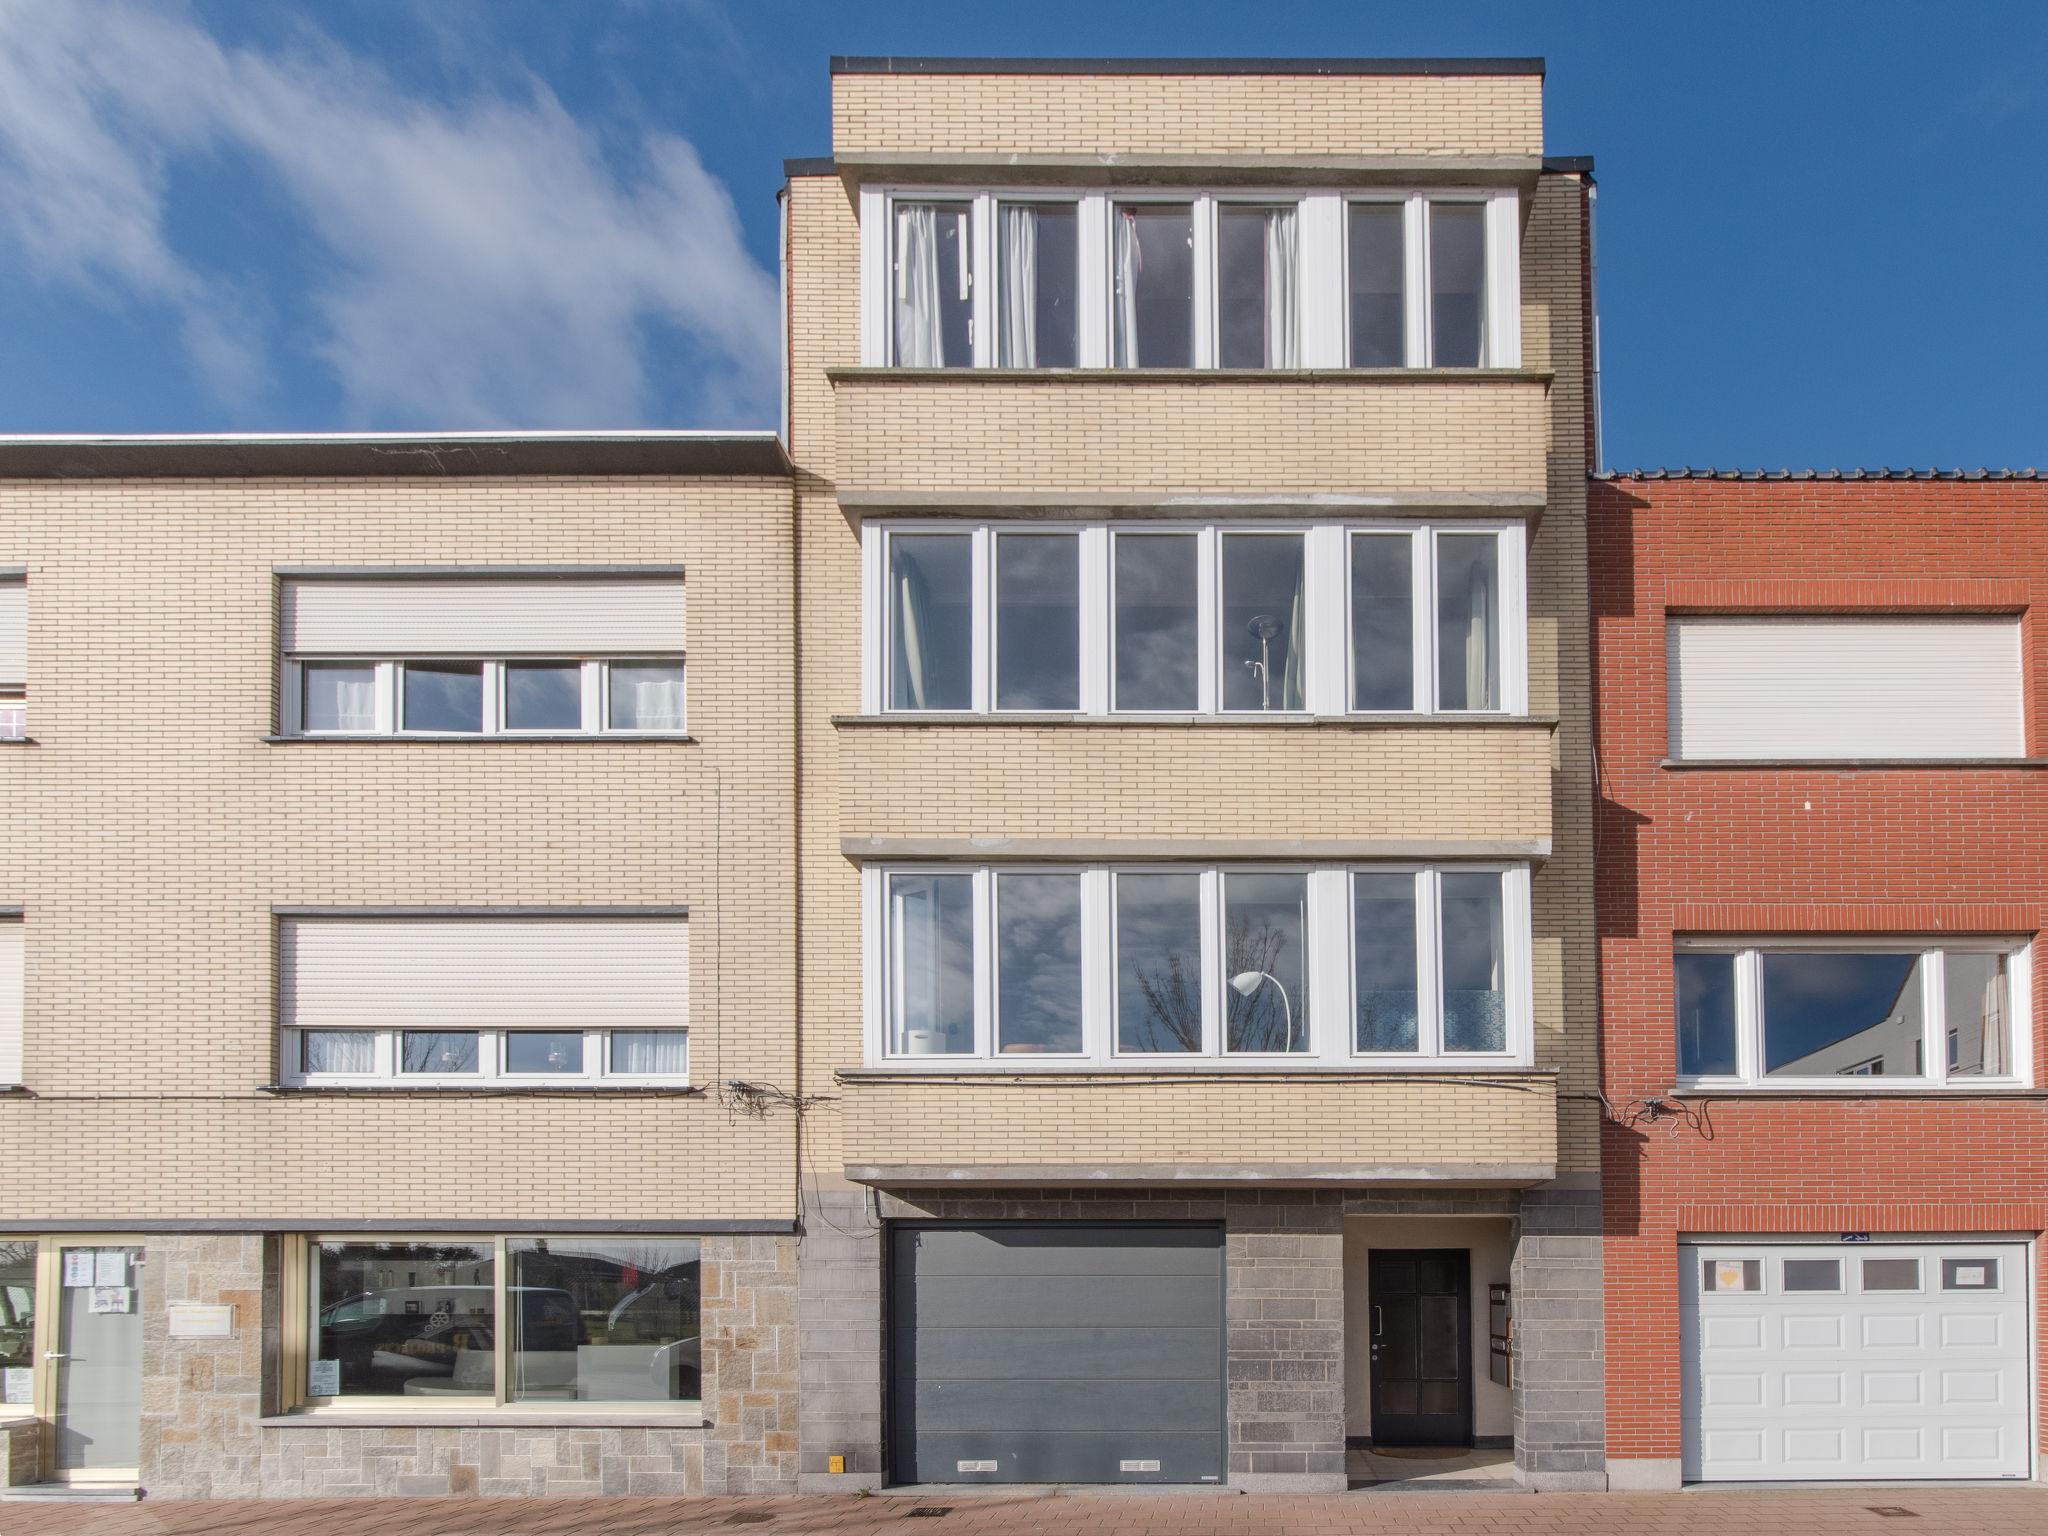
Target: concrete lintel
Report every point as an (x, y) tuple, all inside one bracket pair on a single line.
[(1182, 848), (924, 719), (1117, 168), (1132, 1175), (870, 373), (883, 501)]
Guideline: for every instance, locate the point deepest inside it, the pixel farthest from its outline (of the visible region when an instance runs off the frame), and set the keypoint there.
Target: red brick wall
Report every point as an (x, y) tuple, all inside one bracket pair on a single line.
[(1798, 849)]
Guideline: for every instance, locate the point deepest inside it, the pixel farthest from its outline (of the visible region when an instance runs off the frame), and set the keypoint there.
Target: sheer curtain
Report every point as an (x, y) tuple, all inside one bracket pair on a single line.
[(1991, 1021), (658, 704), (1479, 642), (355, 706), (1130, 261), (1291, 694), (1017, 336), (650, 1052), (919, 343), (912, 600), (1283, 278), (339, 1050)]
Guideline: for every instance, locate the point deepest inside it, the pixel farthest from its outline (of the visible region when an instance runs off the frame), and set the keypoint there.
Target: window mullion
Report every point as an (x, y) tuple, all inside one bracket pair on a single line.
[(387, 697), (981, 621), (1098, 978), (593, 680), (1328, 670), (1213, 980), (1091, 231), (501, 1333), (1749, 1033), (1093, 595), (984, 964), (1415, 259), (1203, 271), (981, 280), (1934, 1015), (1428, 967), (1422, 568), (1208, 619)]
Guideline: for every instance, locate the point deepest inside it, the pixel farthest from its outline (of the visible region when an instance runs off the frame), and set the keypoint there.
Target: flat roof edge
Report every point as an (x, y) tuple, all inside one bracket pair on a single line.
[(452, 455), (914, 64), (1803, 476)]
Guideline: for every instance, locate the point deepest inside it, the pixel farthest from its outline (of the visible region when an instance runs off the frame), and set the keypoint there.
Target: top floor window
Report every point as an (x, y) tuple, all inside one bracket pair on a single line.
[(1156, 279), (13, 658), (466, 654)]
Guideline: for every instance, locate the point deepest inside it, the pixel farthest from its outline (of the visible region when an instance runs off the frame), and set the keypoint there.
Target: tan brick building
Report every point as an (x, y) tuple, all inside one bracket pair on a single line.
[(1195, 869), (394, 864)]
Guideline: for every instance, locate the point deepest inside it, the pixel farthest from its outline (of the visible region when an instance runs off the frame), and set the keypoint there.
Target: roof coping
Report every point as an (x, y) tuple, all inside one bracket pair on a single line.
[(235, 455), (1689, 473), (893, 64)]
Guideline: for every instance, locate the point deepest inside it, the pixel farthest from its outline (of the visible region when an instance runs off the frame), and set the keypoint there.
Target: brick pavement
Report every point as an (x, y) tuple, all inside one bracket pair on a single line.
[(1804, 1512)]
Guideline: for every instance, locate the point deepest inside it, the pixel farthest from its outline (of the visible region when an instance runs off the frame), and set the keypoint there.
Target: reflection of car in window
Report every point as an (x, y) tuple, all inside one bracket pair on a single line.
[(436, 1338)]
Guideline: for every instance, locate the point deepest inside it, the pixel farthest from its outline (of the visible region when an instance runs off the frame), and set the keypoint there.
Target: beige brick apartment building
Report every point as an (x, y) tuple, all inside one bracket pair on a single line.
[(1195, 868), (1038, 929)]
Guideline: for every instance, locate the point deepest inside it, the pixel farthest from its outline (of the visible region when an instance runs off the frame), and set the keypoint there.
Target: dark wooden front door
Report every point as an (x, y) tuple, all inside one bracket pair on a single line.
[(1421, 1321)]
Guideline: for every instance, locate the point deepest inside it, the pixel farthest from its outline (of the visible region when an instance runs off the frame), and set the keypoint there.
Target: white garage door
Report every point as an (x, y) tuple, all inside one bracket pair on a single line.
[(1858, 1361)]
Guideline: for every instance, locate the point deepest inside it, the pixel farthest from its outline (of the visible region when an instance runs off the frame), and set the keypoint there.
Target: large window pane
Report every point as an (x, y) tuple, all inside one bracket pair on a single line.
[(1158, 963), (1832, 1013), (1038, 621), (1265, 962), (931, 926), (404, 1319), (650, 1052), (340, 696), (1457, 284), (543, 1052), (444, 696), (931, 621), (543, 696), (438, 1050), (338, 1050), (1706, 1015), (1475, 964), (1264, 621), (1157, 641), (646, 695), (1382, 621), (604, 1320), (1258, 287), (1152, 298), (932, 294), (1468, 620), (1036, 255), (1389, 1000), (17, 1322), (1379, 285), (1038, 963), (1975, 1016)]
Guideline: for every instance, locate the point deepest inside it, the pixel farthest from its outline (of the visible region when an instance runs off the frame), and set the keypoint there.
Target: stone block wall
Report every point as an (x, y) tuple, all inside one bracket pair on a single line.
[(1560, 1340), (202, 1398), (20, 1451), (839, 1338)]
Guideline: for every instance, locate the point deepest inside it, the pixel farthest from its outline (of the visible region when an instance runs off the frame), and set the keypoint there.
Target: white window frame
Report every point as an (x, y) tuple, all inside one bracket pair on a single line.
[(390, 696), (1327, 661), (1328, 967), (1324, 256), (1749, 1074), (491, 1073)]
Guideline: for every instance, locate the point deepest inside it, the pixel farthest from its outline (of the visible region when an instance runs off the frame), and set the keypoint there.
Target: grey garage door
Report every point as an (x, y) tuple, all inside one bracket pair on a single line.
[(1026, 1353)]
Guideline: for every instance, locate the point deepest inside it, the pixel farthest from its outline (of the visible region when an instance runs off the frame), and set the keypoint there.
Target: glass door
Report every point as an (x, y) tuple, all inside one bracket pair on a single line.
[(98, 1362)]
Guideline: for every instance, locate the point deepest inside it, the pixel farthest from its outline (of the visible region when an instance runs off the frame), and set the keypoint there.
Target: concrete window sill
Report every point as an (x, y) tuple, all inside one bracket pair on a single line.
[(1388, 722), (1849, 764), (686, 1416), (496, 739), (1188, 375)]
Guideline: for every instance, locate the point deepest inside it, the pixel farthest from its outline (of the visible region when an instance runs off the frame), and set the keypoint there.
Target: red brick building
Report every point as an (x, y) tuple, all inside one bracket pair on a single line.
[(1822, 856)]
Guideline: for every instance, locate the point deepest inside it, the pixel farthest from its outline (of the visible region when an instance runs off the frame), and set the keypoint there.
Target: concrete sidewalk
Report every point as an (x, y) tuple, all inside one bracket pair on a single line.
[(1900, 1510)]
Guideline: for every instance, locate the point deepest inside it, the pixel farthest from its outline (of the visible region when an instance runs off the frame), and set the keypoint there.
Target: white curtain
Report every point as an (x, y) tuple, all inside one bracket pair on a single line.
[(1991, 1016), (1017, 335), (650, 1052), (1283, 300), (355, 705), (1130, 261), (918, 340), (340, 1050), (1479, 641), (658, 704), (910, 625), (1291, 695)]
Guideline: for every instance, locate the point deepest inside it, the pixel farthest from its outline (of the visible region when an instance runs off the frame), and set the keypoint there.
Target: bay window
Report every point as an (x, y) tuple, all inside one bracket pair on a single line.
[(1151, 618), (460, 1323), (1819, 1013), (1237, 278), (1174, 966)]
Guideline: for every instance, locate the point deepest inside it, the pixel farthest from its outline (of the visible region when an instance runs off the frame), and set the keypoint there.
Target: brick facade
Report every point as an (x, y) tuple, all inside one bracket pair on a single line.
[(1796, 849)]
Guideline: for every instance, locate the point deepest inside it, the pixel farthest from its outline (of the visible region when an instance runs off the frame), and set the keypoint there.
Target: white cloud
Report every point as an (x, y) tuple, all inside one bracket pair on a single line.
[(482, 264)]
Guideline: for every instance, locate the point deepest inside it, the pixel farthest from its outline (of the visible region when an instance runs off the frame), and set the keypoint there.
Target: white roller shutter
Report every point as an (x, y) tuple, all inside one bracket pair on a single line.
[(12, 974), (13, 632), (483, 972), (483, 616), (1844, 688)]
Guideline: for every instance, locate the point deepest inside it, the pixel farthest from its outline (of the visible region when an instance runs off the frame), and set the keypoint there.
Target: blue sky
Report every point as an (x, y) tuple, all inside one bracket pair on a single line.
[(1821, 225)]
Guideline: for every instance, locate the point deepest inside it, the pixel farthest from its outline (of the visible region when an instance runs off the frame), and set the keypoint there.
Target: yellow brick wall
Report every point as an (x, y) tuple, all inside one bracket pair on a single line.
[(1188, 114), (152, 830), (903, 431), (1108, 781), (872, 430), (1283, 1119)]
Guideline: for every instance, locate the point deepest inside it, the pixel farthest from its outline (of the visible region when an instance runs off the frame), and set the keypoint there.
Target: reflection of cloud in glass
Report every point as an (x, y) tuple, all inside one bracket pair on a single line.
[(1388, 997), (1038, 963), (1156, 642), (1817, 1000), (1263, 925), (1158, 960)]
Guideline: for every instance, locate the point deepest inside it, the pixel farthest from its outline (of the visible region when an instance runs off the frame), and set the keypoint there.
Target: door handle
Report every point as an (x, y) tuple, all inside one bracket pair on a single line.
[(1377, 1330), (51, 1354)]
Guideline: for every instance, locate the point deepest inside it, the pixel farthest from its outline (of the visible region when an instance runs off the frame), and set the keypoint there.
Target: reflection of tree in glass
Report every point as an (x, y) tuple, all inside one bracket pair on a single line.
[(1173, 995)]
